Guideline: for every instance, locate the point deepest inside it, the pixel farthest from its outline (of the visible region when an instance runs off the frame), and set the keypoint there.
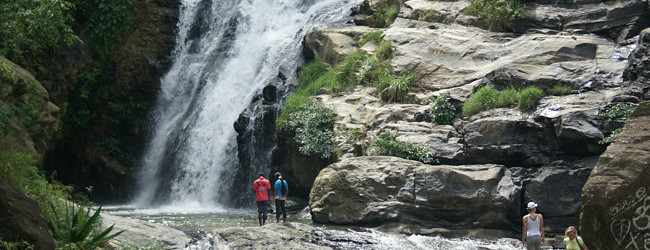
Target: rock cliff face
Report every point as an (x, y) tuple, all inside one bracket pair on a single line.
[(616, 197), (139, 61), (547, 153), (31, 118)]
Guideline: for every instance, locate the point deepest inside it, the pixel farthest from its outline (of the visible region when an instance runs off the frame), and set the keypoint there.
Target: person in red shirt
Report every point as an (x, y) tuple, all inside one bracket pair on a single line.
[(262, 189)]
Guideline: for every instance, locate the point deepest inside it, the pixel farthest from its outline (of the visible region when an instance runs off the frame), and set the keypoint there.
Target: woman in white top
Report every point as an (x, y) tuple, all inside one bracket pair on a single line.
[(532, 233)]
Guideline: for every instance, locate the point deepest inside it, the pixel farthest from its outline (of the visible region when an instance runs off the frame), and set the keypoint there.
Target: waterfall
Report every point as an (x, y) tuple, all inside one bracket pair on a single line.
[(226, 53)]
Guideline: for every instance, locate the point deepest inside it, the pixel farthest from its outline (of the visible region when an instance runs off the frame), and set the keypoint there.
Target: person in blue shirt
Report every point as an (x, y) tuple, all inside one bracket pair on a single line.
[(281, 191)]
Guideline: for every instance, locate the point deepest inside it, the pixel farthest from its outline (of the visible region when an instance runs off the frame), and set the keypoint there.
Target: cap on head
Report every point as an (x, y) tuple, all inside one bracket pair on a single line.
[(278, 175), (531, 205)]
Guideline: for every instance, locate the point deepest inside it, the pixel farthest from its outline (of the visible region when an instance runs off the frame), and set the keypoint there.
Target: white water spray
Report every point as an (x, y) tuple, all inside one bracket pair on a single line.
[(226, 52)]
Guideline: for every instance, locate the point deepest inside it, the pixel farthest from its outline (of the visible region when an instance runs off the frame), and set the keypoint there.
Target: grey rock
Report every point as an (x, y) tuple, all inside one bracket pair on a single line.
[(141, 233), (557, 187), (448, 56), (510, 137), (591, 16), (616, 198), (332, 45), (379, 190)]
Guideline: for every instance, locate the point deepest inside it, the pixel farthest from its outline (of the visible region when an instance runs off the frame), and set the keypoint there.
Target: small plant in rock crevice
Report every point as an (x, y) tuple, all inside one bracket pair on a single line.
[(486, 98), (528, 97), (619, 111), (559, 89), (608, 139), (497, 15), (442, 111), (387, 144), (374, 37)]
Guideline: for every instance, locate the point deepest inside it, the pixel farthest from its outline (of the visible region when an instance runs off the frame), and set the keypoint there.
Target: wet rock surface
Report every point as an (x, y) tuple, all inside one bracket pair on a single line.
[(303, 236)]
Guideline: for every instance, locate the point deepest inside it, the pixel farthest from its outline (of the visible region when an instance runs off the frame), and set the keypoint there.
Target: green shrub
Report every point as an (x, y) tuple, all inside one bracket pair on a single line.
[(559, 89), (19, 168), (395, 88), (22, 245), (528, 97), (619, 111), (384, 17), (485, 98), (313, 126), (107, 20), (507, 98), (442, 111), (30, 29), (384, 51), (374, 37), (496, 14), (73, 228), (349, 68), (353, 134), (24, 107), (386, 144), (311, 72)]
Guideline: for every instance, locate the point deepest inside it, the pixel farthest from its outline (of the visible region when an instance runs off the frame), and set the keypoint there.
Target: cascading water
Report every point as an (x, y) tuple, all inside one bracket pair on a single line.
[(226, 52)]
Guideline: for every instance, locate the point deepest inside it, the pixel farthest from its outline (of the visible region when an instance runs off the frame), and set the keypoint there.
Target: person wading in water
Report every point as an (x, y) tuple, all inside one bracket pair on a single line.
[(532, 233), (262, 189)]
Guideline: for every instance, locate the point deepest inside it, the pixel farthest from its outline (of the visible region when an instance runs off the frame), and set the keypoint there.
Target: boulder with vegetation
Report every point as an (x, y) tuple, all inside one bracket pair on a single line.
[(28, 119)]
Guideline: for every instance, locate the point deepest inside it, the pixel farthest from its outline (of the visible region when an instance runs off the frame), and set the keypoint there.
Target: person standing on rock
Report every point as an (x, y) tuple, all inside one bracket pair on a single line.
[(572, 241), (262, 189), (281, 192), (532, 233)]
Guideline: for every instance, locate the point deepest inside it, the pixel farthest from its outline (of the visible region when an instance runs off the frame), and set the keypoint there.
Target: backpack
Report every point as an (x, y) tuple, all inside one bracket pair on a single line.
[(283, 188)]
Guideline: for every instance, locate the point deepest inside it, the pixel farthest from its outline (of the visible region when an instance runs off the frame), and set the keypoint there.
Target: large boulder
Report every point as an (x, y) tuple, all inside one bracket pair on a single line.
[(557, 187), (510, 137), (378, 190), (29, 118), (21, 219), (333, 45), (616, 197), (141, 233)]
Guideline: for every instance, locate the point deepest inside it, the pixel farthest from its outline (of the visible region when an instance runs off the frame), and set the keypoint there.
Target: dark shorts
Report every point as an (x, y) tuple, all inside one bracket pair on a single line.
[(262, 207)]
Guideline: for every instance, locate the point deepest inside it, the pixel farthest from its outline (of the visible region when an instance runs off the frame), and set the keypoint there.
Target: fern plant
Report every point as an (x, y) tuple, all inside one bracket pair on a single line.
[(74, 226)]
